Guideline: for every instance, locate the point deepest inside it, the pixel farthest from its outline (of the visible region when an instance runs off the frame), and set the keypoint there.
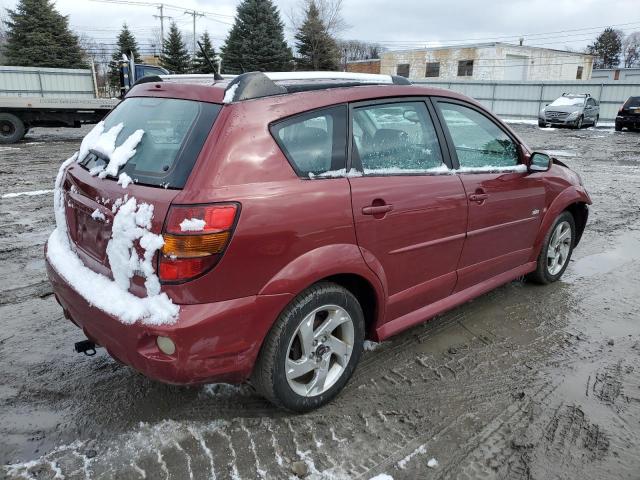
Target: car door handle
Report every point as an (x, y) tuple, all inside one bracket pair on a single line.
[(478, 197), (376, 209)]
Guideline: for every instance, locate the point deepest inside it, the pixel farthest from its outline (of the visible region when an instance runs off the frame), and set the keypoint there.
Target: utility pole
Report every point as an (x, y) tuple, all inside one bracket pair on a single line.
[(162, 16), (195, 38)]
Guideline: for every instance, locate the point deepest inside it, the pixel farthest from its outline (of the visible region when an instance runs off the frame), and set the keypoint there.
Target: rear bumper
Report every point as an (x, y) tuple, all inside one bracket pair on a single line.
[(628, 121), (215, 342)]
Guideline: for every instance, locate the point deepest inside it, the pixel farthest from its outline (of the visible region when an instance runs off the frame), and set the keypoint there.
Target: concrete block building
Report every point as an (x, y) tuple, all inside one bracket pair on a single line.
[(487, 61)]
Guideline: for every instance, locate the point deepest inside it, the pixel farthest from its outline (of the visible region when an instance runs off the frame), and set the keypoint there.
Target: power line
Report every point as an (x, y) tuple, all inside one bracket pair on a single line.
[(515, 36)]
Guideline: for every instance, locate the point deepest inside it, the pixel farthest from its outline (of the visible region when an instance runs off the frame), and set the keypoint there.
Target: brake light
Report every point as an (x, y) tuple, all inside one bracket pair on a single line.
[(195, 237)]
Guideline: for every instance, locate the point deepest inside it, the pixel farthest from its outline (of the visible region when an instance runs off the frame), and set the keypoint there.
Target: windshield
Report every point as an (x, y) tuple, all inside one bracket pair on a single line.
[(565, 101), (174, 132)]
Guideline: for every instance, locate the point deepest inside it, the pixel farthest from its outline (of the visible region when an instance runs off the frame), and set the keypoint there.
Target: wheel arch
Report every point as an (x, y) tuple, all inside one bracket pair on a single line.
[(573, 199), (342, 264)]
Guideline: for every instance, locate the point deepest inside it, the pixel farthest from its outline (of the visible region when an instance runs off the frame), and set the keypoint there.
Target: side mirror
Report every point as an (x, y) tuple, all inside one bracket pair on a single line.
[(540, 162)]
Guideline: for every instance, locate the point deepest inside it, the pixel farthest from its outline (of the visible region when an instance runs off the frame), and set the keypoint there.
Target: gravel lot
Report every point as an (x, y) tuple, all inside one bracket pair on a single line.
[(524, 382)]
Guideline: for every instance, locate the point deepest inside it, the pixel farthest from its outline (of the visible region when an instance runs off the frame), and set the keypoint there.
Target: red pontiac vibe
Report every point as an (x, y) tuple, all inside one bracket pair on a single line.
[(295, 216)]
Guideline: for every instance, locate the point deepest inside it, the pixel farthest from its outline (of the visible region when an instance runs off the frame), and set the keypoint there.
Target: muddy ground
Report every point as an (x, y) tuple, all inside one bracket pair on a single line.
[(526, 382)]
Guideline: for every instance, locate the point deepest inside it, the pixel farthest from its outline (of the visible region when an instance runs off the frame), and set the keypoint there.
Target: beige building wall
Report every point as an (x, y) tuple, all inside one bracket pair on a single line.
[(491, 62)]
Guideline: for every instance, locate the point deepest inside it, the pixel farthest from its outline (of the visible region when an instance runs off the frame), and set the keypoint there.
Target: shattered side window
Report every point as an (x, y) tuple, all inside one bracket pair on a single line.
[(478, 141), (395, 138)]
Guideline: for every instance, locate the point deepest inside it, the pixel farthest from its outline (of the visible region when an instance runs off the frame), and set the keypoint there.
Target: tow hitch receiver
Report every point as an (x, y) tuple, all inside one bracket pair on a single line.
[(87, 347)]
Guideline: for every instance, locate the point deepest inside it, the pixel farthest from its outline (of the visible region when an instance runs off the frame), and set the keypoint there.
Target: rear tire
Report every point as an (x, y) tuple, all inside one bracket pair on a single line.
[(618, 128), (595, 122), (556, 250), (11, 128), (312, 349)]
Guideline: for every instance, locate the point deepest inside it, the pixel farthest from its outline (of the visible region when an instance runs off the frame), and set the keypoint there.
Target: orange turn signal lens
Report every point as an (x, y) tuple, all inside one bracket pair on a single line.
[(190, 246)]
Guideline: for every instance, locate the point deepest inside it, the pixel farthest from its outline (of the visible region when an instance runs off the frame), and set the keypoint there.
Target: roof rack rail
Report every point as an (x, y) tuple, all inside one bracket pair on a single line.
[(258, 84)]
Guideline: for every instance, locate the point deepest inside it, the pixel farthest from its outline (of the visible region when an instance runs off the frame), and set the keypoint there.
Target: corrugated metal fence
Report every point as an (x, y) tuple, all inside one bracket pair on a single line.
[(525, 99), (46, 82)]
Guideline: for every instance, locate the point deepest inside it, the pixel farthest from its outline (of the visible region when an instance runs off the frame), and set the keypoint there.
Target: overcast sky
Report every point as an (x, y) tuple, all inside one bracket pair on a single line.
[(393, 23)]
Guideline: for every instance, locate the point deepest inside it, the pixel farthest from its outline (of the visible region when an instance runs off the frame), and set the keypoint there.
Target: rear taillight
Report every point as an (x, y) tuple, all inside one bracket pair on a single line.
[(195, 237)]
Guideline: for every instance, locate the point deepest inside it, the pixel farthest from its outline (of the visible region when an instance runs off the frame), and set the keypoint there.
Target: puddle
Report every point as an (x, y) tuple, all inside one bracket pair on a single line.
[(625, 250)]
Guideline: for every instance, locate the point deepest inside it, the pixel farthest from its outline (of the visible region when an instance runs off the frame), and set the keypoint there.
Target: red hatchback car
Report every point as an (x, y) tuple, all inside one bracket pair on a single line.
[(260, 229)]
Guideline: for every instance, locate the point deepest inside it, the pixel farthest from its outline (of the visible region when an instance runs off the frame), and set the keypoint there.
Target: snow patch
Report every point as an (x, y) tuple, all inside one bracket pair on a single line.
[(382, 476), (432, 463), (27, 194), (192, 225), (560, 153), (98, 215), (402, 464), (105, 294), (124, 180), (90, 140), (337, 174), (491, 169), (132, 223), (230, 93), (104, 144), (370, 346)]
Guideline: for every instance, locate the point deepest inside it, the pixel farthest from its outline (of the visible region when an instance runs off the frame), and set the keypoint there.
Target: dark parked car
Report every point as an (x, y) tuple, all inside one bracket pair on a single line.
[(296, 216), (629, 115), (570, 110)]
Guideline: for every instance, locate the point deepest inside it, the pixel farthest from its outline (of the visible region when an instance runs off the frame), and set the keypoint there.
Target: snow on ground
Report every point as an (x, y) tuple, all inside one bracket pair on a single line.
[(402, 464), (432, 463), (560, 153), (382, 476), (370, 346), (27, 194), (192, 225)]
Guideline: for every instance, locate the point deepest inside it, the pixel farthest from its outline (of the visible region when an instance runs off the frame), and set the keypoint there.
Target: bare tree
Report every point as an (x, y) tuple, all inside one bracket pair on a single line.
[(330, 14), (357, 50), (631, 50)]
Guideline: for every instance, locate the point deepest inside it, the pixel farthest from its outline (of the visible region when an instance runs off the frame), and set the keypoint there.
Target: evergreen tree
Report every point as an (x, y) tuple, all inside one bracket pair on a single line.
[(39, 36), (606, 49), (317, 49), (200, 64), (256, 40), (175, 56), (126, 45)]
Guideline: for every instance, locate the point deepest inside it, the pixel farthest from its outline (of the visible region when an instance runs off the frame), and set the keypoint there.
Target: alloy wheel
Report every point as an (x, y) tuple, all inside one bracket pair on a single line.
[(319, 350), (559, 248)]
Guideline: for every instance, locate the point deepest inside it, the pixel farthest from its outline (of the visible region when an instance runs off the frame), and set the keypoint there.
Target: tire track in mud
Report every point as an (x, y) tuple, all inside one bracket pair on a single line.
[(403, 411)]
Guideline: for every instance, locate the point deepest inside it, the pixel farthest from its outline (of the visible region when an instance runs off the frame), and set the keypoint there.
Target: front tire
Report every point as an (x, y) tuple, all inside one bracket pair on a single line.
[(579, 123), (556, 250), (541, 124), (312, 350)]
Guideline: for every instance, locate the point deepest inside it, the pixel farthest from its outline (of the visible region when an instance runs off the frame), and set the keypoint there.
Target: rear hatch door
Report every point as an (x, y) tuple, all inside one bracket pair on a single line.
[(174, 133)]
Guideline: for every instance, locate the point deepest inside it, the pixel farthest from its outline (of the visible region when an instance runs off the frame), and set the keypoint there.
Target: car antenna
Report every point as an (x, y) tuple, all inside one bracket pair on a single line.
[(216, 75)]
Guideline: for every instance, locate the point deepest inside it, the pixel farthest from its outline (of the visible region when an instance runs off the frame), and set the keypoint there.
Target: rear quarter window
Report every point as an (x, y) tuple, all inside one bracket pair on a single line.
[(174, 133), (314, 142)]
